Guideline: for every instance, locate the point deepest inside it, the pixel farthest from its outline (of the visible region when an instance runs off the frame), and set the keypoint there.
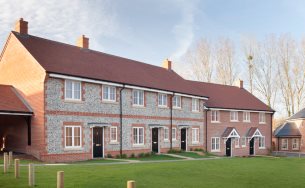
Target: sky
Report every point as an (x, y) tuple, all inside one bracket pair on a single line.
[(151, 31)]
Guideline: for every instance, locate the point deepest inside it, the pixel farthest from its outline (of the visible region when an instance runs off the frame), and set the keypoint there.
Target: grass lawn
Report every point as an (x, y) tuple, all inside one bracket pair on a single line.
[(156, 157), (192, 155), (229, 172), (97, 161)]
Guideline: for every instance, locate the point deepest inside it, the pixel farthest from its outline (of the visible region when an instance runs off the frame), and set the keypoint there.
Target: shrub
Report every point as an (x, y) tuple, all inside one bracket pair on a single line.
[(109, 155), (191, 149), (117, 156), (198, 149), (174, 151), (141, 155), (132, 155), (147, 154), (124, 156)]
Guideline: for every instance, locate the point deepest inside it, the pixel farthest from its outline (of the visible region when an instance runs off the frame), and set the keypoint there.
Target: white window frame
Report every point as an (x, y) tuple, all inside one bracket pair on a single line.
[(73, 82), (176, 102), (108, 99), (116, 134), (214, 144), (243, 142), (246, 116), (137, 94), (166, 134), (174, 134), (195, 105), (262, 117), (236, 142), (234, 116), (282, 140), (295, 145), (80, 135), (195, 135), (137, 143), (162, 100), (261, 142), (217, 115)]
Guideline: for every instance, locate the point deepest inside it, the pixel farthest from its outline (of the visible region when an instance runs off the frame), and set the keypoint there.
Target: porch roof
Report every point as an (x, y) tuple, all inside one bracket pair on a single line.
[(253, 132), (12, 103), (230, 132), (288, 129)]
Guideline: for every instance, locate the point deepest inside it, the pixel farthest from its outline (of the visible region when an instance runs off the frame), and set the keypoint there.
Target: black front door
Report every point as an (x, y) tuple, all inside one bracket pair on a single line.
[(183, 139), (155, 140), (251, 146), (228, 147), (98, 142)]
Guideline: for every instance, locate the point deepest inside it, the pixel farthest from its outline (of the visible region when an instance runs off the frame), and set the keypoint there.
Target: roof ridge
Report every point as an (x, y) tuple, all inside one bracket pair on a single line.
[(212, 83), (95, 51)]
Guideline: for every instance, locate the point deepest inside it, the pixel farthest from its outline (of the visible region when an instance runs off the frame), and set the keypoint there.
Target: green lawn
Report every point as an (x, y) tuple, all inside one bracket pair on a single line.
[(192, 155), (228, 172), (97, 161), (156, 157)]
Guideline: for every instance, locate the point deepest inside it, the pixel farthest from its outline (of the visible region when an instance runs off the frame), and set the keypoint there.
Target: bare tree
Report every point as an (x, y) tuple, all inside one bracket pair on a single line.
[(265, 74), (225, 62), (287, 57), (299, 76), (200, 57)]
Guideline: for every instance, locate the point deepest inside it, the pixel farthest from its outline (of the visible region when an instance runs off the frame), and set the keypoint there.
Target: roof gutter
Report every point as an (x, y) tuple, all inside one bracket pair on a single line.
[(244, 110), (56, 75), (16, 113)]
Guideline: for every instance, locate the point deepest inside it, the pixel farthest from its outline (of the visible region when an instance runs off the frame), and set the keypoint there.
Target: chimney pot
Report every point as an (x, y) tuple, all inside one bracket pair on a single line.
[(83, 42), (21, 26), (241, 84), (167, 64)]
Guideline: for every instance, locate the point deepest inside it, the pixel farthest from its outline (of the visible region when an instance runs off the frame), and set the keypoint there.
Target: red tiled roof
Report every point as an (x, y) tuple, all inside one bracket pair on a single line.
[(229, 97), (11, 101), (56, 57)]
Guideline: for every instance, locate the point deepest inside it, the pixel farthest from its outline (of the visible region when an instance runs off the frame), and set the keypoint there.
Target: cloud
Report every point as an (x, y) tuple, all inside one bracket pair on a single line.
[(184, 30), (63, 20)]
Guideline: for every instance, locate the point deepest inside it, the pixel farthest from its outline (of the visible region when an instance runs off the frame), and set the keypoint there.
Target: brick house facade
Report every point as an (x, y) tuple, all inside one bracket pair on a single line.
[(89, 104)]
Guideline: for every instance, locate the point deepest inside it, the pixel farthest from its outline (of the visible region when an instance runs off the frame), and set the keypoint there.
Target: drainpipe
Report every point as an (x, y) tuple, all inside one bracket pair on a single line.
[(206, 130), (171, 120), (271, 149), (121, 120)]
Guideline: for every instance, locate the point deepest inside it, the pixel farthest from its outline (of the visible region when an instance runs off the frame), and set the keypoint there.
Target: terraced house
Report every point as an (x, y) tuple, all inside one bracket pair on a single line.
[(68, 103)]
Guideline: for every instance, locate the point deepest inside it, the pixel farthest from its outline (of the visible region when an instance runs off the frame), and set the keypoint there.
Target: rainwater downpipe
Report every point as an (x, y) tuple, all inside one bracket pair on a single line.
[(121, 120)]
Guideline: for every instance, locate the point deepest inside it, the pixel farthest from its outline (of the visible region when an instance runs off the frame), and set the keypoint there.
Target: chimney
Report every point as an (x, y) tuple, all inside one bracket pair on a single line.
[(167, 64), (83, 42), (21, 27), (241, 84)]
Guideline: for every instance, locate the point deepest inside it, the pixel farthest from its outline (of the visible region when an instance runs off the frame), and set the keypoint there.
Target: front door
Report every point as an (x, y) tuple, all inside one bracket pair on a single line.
[(183, 139), (98, 140), (251, 146), (155, 140), (228, 147)]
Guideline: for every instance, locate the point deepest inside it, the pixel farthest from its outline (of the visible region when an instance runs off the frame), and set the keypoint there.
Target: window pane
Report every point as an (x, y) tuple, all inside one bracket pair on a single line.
[(141, 135), (113, 134), (174, 134), (135, 135), (112, 93), (68, 136), (141, 98), (68, 89), (105, 92)]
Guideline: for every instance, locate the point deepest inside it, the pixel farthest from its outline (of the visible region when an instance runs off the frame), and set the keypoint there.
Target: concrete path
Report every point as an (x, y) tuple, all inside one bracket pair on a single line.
[(178, 156), (288, 154), (125, 162)]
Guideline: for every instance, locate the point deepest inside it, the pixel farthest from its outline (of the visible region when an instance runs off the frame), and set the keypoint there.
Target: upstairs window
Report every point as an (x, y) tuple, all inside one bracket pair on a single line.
[(215, 116), (176, 102), (195, 105), (233, 116), (72, 90), (109, 93), (262, 117), (162, 100), (246, 116), (138, 97)]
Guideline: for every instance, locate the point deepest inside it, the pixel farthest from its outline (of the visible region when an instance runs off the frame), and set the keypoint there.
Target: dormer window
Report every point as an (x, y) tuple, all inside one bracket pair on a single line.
[(72, 90)]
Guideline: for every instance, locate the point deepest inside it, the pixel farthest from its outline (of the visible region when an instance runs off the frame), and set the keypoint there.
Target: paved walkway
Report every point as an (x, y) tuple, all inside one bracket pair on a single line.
[(288, 154), (178, 156), (125, 161)]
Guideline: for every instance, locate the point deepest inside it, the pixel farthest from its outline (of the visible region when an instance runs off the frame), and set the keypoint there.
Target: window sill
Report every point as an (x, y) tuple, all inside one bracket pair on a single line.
[(138, 106), (74, 149), (166, 140), (295, 149), (114, 143), (234, 121), (195, 143), (196, 112), (177, 108), (73, 101), (162, 106), (215, 151), (237, 147), (246, 121), (243, 146), (215, 122), (262, 123), (109, 102), (262, 148), (138, 145)]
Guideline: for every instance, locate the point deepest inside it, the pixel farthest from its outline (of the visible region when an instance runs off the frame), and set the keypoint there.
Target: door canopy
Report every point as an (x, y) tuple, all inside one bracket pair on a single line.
[(230, 132), (254, 133)]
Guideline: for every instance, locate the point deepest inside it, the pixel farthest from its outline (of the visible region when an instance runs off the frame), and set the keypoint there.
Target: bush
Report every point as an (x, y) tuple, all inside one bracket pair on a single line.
[(132, 155), (174, 151), (109, 155), (117, 156), (198, 149), (147, 154), (124, 156), (141, 155), (191, 149)]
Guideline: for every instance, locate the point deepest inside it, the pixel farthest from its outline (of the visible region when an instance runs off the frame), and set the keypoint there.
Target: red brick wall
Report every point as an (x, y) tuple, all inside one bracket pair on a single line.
[(20, 69), (217, 129)]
